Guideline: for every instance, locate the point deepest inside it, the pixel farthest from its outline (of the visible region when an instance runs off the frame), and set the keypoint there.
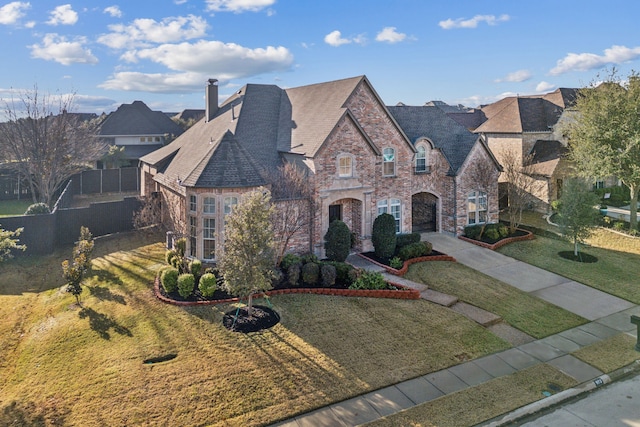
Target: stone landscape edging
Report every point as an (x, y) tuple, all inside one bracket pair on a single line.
[(405, 266), (500, 243), (403, 292)]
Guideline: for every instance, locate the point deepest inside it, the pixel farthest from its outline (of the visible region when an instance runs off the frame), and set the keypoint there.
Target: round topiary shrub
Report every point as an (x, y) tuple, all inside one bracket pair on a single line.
[(195, 267), (208, 285), (38, 209), (293, 274), (328, 275), (337, 241), (186, 284), (288, 260), (169, 279), (310, 273), (472, 231), (169, 255), (383, 235)]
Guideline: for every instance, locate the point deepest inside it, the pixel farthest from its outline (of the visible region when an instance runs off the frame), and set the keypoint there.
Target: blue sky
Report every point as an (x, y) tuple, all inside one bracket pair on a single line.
[(163, 51)]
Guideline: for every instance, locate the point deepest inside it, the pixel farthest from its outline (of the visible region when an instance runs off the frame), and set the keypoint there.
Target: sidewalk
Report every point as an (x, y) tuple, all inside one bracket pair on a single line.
[(609, 316)]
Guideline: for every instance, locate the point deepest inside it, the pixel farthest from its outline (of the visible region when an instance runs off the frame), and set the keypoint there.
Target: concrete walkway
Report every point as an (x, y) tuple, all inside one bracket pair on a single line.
[(608, 316)]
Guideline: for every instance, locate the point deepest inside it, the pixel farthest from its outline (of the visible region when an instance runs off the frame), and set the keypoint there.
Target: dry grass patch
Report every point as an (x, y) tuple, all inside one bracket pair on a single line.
[(521, 310), (610, 354), (474, 405), (65, 365)]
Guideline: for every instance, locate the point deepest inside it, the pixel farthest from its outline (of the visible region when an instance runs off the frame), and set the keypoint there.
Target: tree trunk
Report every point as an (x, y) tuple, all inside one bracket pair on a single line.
[(250, 305), (575, 247), (633, 210)]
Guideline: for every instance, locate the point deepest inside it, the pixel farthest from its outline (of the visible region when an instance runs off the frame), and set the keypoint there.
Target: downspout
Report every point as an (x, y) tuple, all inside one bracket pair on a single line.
[(455, 206)]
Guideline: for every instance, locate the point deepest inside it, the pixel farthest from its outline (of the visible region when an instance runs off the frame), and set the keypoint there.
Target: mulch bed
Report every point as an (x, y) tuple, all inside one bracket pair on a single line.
[(582, 257), (262, 317), (385, 261), (492, 244)]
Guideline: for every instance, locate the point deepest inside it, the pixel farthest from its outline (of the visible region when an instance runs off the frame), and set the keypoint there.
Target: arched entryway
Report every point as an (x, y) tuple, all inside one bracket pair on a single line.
[(350, 212), (424, 212)]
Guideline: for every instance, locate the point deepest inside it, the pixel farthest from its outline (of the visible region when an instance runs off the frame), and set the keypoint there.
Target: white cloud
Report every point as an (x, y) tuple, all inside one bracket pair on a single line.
[(11, 13), (588, 61), (238, 6), (545, 87), (450, 24), (390, 35), (335, 39), (141, 32), (195, 63), (63, 15), (58, 48), (113, 11), (515, 77)]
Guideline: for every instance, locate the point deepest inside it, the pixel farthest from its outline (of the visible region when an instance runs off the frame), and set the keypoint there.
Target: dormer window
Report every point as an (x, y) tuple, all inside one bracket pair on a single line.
[(388, 162), (345, 166)]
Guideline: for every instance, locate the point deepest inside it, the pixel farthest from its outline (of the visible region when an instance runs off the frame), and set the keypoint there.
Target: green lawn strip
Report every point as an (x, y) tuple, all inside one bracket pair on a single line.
[(521, 310), (610, 354), (72, 366), (614, 272), (483, 402), (14, 207)]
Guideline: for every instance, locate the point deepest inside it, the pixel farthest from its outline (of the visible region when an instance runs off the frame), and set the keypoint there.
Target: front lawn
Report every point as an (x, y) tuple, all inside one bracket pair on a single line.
[(615, 272), (14, 207), (64, 365), (521, 310)]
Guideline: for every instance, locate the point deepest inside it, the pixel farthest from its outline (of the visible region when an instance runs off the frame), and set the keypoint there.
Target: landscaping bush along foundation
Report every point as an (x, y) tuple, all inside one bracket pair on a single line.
[(525, 235)]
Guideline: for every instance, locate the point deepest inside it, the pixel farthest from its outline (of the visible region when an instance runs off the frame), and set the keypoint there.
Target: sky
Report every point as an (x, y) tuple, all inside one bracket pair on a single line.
[(162, 52)]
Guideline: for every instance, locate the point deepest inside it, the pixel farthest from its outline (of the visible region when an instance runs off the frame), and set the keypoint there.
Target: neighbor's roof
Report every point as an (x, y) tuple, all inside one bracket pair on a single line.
[(137, 119), (545, 157), (431, 122)]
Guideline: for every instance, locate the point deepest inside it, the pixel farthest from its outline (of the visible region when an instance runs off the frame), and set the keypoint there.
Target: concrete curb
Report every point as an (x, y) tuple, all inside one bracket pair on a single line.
[(563, 396)]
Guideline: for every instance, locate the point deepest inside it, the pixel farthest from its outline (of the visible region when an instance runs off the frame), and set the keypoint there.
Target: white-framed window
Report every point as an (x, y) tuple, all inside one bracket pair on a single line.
[(229, 203), (393, 207), (143, 139), (388, 162), (209, 205), (599, 184), (209, 238), (193, 229), (421, 159), (193, 203), (477, 207), (345, 166)]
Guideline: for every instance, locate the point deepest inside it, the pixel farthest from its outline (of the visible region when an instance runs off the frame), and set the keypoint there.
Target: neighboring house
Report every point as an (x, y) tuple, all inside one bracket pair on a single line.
[(358, 158), (138, 129), (527, 126)]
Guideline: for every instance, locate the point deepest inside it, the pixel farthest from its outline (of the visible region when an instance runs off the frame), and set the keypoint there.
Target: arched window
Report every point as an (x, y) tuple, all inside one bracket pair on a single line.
[(421, 159), (389, 162), (477, 207)]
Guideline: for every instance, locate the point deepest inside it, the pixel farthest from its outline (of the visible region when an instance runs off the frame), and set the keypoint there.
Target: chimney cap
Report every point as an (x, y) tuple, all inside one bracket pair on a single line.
[(213, 81)]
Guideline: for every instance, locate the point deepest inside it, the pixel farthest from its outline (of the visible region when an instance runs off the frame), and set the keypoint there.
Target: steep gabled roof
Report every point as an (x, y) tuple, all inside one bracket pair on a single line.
[(137, 119), (430, 122), (545, 157)]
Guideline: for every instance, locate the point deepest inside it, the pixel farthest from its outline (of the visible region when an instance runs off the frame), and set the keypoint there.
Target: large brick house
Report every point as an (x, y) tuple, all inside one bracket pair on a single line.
[(360, 157)]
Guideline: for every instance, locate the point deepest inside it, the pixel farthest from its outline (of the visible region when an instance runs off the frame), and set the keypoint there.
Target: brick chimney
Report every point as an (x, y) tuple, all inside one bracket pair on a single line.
[(211, 95)]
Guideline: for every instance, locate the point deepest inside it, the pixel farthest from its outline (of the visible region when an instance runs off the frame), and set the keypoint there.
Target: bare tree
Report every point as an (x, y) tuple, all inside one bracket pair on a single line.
[(521, 184), (484, 175), (44, 146), (292, 193)]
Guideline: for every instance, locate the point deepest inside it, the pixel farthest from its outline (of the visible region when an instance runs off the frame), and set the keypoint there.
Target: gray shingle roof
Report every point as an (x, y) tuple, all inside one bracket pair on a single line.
[(137, 119), (430, 122), (545, 156)]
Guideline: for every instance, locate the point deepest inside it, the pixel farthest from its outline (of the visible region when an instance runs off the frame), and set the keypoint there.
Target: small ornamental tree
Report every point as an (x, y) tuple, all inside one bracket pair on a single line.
[(577, 212), (337, 241), (383, 235), (9, 243), (248, 260), (73, 271)]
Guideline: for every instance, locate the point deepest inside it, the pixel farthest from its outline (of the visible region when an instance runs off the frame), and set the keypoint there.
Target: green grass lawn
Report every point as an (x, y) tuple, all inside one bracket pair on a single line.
[(616, 271), (68, 365), (14, 207), (521, 310)]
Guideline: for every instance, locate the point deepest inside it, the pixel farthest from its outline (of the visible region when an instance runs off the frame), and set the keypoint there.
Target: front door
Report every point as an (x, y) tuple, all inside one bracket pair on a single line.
[(335, 213)]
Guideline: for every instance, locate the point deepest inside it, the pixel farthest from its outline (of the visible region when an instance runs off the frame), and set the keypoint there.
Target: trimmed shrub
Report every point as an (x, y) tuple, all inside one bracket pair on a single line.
[(38, 209), (186, 284), (383, 235), (311, 273), (415, 250), (181, 246), (345, 273), (309, 258), (492, 233), (328, 275), (288, 260), (404, 239), (472, 231), (503, 230), (208, 285), (169, 279), (169, 255), (337, 241), (195, 267), (396, 262), (369, 280), (293, 274)]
